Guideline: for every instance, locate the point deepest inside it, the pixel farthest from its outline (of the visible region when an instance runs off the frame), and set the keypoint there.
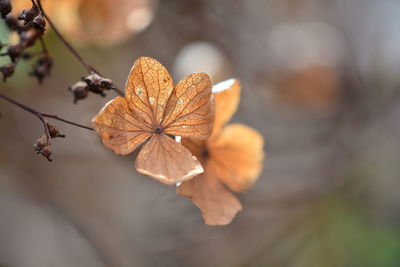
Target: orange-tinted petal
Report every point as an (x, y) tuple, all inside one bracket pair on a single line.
[(148, 88), (218, 205), (167, 161), (227, 96), (237, 154), (118, 128), (197, 147), (190, 109)]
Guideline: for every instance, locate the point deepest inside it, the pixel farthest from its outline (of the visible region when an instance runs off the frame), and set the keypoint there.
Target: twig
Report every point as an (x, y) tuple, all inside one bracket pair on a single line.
[(87, 66), (41, 115)]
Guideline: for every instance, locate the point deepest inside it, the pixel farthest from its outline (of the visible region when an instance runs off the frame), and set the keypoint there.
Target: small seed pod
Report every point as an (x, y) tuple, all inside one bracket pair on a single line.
[(39, 23), (28, 15), (80, 90), (7, 70), (54, 131), (42, 146), (28, 38), (98, 84), (5, 8), (12, 23), (15, 51), (42, 68)]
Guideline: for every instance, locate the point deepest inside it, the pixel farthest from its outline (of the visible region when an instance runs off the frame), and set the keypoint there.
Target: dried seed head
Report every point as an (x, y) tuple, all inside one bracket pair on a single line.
[(54, 131), (98, 84), (42, 68), (39, 23), (5, 8), (28, 15), (7, 70), (28, 38), (15, 51), (42, 146), (80, 90), (12, 23)]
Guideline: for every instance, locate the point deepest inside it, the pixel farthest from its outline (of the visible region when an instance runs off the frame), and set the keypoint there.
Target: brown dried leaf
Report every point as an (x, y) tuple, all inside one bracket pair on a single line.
[(238, 154), (167, 161), (218, 205)]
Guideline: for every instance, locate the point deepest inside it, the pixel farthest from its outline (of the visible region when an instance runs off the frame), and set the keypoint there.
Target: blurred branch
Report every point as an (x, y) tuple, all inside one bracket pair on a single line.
[(86, 64), (41, 116)]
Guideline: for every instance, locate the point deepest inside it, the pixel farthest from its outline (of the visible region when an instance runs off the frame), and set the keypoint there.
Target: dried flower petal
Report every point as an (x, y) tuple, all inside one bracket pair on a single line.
[(217, 204), (237, 154), (153, 109)]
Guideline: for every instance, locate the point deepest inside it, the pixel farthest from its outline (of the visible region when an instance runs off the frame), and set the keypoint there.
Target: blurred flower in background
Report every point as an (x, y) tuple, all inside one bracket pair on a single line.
[(97, 22), (320, 83)]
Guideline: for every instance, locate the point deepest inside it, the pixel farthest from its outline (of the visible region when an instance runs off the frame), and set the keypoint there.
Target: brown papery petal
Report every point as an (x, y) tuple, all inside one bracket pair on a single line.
[(148, 88), (167, 161), (118, 128), (190, 109), (218, 205), (227, 97), (238, 155), (197, 147)]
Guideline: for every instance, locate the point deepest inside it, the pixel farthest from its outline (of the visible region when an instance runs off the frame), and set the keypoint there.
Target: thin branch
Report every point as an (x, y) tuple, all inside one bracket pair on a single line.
[(55, 117), (87, 66), (41, 116)]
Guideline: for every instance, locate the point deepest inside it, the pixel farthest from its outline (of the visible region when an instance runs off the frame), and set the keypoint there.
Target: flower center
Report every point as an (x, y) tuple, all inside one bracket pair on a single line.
[(205, 153), (158, 130)]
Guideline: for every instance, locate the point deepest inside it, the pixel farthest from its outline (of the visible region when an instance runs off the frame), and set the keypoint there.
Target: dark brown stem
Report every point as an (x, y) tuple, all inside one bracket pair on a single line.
[(44, 47), (55, 117), (87, 66), (41, 116)]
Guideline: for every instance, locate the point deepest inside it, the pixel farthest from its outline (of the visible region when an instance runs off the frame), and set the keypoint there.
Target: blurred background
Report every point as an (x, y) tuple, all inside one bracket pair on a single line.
[(321, 82)]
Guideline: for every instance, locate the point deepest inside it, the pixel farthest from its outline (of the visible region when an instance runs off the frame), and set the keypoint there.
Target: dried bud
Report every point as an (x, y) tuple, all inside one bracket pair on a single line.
[(39, 23), (28, 38), (5, 8), (27, 55), (15, 51), (80, 90), (28, 15), (7, 70), (98, 84), (2, 45), (42, 146), (42, 68), (12, 23), (54, 131)]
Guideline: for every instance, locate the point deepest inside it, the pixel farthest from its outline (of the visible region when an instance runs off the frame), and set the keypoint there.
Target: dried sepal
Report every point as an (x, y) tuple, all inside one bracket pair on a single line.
[(5, 8), (232, 157), (15, 51), (28, 15), (39, 23), (42, 68), (7, 70), (152, 111), (54, 131), (43, 147), (98, 84), (217, 204), (80, 90)]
